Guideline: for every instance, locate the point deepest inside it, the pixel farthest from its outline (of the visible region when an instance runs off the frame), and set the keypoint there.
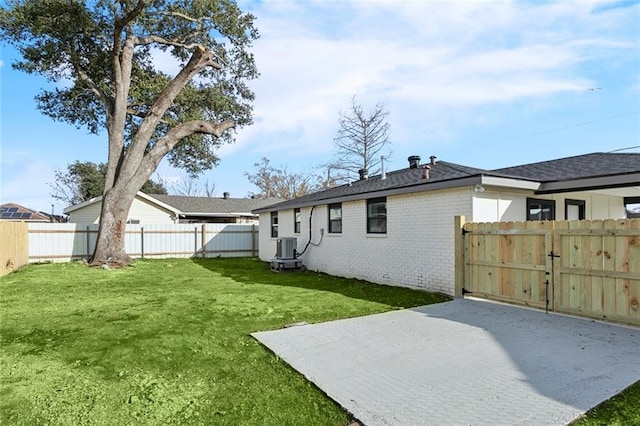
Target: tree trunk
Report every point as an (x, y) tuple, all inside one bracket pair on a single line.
[(113, 218)]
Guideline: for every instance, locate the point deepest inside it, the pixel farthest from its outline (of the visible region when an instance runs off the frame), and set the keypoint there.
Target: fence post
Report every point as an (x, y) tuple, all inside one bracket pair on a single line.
[(88, 245), (195, 241), (253, 240), (142, 241), (204, 240), (458, 228)]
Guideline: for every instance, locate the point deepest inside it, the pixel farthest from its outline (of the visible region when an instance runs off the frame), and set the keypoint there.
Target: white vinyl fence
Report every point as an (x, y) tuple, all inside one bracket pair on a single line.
[(61, 242)]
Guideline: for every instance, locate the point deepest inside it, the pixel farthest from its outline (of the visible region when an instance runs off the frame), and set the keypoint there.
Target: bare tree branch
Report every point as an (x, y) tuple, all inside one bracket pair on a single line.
[(191, 188), (362, 137), (277, 181)]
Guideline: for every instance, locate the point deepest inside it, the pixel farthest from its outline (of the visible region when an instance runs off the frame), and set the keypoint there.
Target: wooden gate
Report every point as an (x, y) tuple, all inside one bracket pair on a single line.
[(598, 271), (508, 261), (589, 268)]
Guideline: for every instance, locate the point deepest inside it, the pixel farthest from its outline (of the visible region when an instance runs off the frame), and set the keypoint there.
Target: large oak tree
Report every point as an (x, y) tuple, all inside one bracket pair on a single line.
[(104, 56)]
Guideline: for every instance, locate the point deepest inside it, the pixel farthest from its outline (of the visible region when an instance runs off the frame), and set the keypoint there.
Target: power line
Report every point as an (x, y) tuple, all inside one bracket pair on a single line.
[(572, 125), (624, 149)]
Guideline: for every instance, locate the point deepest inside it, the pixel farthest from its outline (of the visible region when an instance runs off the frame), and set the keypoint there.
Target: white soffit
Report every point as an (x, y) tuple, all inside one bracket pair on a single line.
[(510, 183)]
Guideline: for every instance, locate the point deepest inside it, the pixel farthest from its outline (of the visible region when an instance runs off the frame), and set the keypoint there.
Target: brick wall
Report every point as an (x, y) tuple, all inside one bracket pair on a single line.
[(417, 251)]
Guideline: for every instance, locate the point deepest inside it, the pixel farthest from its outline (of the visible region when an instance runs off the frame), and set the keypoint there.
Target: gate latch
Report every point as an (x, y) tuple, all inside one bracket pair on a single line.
[(546, 291), (552, 255)]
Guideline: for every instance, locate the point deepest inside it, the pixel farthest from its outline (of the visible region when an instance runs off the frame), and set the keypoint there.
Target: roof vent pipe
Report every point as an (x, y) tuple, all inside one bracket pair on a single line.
[(433, 160), (225, 195), (414, 161), (425, 172), (363, 174), (384, 173)]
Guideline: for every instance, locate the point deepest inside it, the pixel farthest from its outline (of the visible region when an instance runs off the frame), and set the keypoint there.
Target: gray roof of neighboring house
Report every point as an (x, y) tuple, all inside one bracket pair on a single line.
[(209, 205), (444, 174)]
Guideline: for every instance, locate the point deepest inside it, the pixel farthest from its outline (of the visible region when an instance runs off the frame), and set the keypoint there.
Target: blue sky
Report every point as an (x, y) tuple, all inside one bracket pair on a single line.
[(487, 84)]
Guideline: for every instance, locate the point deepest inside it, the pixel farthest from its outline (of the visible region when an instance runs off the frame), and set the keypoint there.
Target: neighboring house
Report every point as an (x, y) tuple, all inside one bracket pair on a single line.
[(398, 228), (216, 210), (16, 212), (159, 209)]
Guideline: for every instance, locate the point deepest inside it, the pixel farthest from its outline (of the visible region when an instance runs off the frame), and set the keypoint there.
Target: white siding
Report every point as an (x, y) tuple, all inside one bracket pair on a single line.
[(87, 214), (498, 206), (597, 206), (493, 206), (417, 250), (142, 210), (266, 243), (148, 213)]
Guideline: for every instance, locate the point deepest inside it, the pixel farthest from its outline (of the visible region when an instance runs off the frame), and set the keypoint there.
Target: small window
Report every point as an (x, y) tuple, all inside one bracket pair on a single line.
[(632, 204), (296, 221), (574, 209), (377, 216), (134, 221), (335, 218), (538, 209), (274, 224)]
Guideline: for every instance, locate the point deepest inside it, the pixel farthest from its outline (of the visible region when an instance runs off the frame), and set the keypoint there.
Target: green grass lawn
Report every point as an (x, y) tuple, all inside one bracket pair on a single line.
[(621, 410), (167, 342)]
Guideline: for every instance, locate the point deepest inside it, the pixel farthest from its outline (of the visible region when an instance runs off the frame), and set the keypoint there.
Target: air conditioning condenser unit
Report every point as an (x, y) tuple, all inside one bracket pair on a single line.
[(286, 248)]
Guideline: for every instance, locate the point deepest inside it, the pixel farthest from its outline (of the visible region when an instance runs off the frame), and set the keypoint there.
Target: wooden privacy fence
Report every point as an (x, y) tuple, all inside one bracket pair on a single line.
[(68, 241), (13, 246), (588, 268)]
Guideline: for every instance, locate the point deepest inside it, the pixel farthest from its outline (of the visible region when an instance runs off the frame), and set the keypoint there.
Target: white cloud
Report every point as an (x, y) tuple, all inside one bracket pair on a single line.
[(27, 184), (427, 59)]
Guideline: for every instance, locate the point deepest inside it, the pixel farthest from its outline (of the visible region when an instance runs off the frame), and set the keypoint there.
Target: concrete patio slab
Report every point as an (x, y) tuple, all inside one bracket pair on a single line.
[(464, 362)]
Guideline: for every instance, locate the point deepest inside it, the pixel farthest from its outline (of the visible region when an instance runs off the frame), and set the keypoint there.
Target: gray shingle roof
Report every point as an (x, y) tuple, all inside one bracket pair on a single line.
[(214, 205), (564, 169), (405, 178), (581, 166)]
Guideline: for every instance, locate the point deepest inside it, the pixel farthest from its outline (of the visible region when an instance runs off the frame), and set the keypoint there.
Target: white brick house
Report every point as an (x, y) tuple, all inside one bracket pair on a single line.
[(400, 230)]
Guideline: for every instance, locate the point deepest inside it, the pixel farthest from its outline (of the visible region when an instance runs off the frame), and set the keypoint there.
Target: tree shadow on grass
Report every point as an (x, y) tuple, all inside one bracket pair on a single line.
[(251, 271)]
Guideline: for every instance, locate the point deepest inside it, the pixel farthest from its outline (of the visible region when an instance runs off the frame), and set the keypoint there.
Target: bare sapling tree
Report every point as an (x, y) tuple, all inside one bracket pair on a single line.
[(188, 187), (107, 54), (363, 137)]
